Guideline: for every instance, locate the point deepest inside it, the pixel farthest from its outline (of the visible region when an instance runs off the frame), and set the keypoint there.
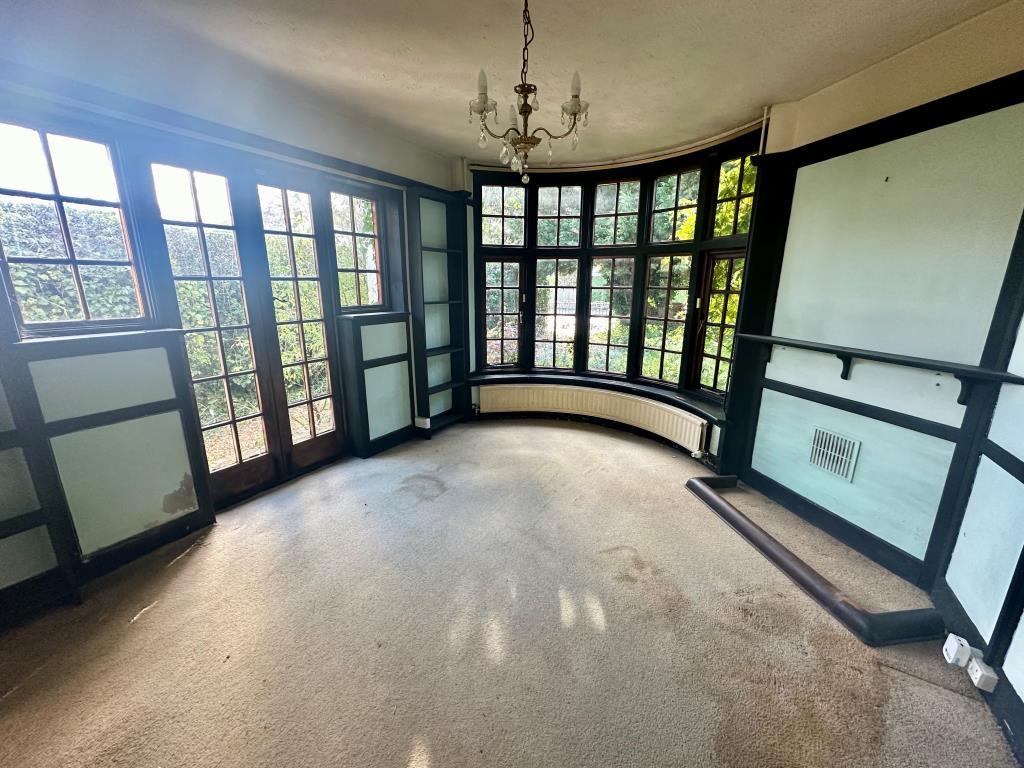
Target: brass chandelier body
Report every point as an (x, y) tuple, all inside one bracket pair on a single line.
[(518, 140)]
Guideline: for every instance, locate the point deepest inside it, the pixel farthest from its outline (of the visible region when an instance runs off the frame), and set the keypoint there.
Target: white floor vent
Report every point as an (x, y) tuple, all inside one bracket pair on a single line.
[(834, 453)]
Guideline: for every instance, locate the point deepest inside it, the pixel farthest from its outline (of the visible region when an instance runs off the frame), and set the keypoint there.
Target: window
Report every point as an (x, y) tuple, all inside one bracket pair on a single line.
[(298, 310), (501, 314), (358, 251), (616, 207), (211, 303), (651, 292), (675, 207), (504, 212), (62, 235), (665, 303), (555, 321), (735, 197), (558, 216), (721, 299), (611, 303)]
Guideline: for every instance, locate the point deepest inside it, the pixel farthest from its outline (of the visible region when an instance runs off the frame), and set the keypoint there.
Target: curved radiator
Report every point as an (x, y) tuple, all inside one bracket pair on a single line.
[(666, 421)]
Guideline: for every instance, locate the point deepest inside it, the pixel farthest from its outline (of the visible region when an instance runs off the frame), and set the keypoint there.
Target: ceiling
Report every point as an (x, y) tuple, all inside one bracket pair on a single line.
[(658, 73)]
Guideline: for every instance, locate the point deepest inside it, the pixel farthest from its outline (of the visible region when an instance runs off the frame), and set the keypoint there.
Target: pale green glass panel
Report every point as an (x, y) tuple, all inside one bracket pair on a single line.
[(126, 478), (387, 399), (383, 340)]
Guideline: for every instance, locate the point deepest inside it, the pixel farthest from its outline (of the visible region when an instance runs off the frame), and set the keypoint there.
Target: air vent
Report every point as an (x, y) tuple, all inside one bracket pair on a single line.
[(834, 453)]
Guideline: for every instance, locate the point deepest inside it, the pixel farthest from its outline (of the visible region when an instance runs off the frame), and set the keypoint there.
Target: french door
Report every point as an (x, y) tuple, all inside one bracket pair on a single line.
[(246, 261), (504, 297)]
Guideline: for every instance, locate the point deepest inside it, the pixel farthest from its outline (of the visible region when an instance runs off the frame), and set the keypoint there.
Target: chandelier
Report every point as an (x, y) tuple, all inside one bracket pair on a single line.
[(518, 140)]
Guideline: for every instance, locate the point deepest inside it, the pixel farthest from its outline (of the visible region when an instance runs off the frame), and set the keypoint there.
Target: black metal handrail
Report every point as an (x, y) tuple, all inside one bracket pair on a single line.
[(967, 375)]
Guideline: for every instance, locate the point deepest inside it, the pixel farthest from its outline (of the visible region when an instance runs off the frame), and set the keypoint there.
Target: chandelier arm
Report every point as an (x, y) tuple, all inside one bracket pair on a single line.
[(486, 127), (552, 136)]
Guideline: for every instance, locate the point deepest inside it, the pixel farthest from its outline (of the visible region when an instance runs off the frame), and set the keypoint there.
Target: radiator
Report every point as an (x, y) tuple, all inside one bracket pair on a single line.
[(666, 421)]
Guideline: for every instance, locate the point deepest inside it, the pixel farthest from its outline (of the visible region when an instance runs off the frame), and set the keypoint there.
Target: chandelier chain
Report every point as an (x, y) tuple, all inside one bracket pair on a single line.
[(527, 39)]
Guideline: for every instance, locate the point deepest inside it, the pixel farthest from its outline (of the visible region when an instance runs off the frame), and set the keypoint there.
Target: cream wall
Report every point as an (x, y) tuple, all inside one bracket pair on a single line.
[(981, 49)]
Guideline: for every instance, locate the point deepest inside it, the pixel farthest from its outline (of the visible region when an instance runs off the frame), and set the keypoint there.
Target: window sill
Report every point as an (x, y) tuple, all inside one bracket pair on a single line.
[(712, 412)]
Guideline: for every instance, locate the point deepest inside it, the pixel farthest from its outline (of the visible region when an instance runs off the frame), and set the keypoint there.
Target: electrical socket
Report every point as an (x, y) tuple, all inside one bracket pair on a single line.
[(956, 651), (981, 674)]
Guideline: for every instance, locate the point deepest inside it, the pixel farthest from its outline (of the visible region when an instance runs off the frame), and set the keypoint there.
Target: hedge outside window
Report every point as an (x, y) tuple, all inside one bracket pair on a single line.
[(675, 207), (207, 274), (501, 315), (504, 212), (298, 310), (611, 301), (642, 297), (616, 216), (665, 303), (357, 249), (558, 216), (555, 321), (735, 200), (722, 299), (63, 243)]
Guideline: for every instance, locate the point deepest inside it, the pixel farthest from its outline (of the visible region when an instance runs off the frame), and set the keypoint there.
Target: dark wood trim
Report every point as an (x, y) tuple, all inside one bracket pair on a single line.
[(1002, 92), (10, 439), (26, 599), (953, 613), (107, 418), (78, 346), (113, 557), (896, 418), (896, 560), (12, 526), (1005, 460), (377, 362)]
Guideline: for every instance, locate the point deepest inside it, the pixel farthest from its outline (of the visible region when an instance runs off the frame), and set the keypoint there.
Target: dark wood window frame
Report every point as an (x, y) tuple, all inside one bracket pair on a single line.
[(85, 131), (701, 249)]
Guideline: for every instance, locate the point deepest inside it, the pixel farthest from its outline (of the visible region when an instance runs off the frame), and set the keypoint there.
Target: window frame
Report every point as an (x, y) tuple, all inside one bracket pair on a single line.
[(707, 161), (128, 204)]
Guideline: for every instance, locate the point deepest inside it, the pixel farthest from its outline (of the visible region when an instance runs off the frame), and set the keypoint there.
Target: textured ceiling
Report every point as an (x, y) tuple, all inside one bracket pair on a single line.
[(658, 73)]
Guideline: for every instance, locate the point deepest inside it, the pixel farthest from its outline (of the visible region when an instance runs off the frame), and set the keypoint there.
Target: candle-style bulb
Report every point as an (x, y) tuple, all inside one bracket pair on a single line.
[(481, 83), (575, 89)]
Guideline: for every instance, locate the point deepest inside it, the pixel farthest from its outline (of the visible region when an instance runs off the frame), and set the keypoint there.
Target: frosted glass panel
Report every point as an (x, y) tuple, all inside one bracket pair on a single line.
[(435, 276), (440, 402), (18, 494), (437, 326), (387, 399), (439, 370), (988, 546), (125, 478), (433, 223), (77, 386), (384, 340), (6, 421), (25, 555)]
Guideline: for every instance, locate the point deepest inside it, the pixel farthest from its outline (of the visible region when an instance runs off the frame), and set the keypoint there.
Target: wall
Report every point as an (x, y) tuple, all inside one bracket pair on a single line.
[(899, 248), (194, 84), (902, 247), (976, 51)]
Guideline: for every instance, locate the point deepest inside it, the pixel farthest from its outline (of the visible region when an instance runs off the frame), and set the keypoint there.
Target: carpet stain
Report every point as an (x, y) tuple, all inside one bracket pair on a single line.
[(815, 705), (423, 486)]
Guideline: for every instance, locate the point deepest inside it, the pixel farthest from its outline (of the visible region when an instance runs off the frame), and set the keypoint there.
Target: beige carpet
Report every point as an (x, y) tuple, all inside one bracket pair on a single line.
[(508, 594)]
